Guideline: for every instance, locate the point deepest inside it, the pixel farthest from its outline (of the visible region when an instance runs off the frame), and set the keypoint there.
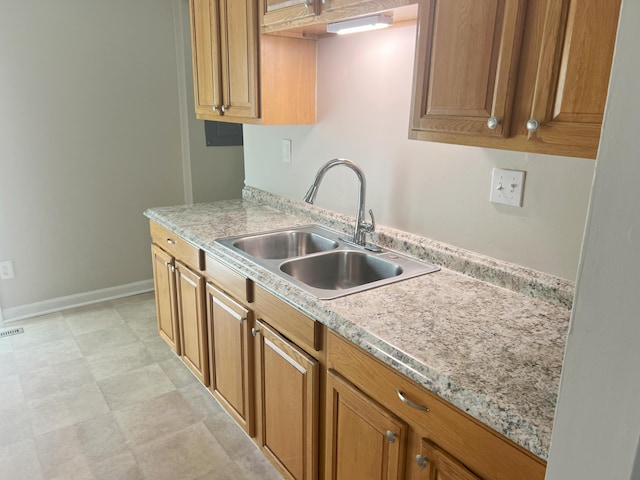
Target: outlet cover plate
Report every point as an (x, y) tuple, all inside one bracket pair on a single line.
[(286, 150), (507, 187), (6, 270)]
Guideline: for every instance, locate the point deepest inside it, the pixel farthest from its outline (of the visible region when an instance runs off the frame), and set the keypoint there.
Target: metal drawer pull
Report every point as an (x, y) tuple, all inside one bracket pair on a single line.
[(254, 331), (170, 241), (391, 437), (410, 403), (421, 461)]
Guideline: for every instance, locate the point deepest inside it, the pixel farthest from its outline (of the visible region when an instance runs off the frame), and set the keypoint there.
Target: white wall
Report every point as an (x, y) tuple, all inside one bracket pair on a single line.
[(436, 190), (89, 138), (597, 427)]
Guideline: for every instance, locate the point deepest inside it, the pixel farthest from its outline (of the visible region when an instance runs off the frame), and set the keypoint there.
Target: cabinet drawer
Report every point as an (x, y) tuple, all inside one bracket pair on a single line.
[(177, 246), (483, 450), (295, 325), (228, 280)]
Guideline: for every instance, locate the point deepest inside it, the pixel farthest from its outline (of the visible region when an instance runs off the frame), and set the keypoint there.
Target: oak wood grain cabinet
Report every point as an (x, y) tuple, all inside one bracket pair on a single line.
[(364, 440), (180, 298), (165, 286), (231, 356), (242, 77), (443, 442), (509, 74), (466, 64), (192, 321), (572, 78), (318, 406), (288, 383)]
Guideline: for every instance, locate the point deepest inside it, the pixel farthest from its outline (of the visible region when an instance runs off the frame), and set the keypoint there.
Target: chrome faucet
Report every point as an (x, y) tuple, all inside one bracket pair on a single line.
[(362, 227)]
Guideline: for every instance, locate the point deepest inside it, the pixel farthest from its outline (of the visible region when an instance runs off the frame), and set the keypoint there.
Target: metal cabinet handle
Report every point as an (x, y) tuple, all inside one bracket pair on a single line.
[(171, 241), (410, 403), (254, 331), (214, 108), (391, 437), (307, 4), (242, 319), (224, 108), (532, 125), (493, 123), (421, 460), (173, 269)]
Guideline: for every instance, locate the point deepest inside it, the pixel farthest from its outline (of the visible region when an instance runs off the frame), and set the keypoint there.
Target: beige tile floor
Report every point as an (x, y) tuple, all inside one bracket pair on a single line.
[(94, 393)]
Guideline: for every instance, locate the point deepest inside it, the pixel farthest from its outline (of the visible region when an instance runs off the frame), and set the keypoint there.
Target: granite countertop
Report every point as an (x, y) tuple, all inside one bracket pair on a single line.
[(493, 352)]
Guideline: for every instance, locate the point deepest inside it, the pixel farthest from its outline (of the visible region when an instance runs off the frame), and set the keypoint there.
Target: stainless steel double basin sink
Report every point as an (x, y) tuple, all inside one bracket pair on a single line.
[(320, 262)]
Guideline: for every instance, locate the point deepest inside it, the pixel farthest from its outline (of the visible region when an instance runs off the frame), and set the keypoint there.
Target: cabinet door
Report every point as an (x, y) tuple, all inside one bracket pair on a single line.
[(466, 64), (193, 327), (224, 41), (239, 47), (573, 73), (165, 287), (230, 356), (279, 11), (436, 464), (205, 51), (364, 440), (288, 383)]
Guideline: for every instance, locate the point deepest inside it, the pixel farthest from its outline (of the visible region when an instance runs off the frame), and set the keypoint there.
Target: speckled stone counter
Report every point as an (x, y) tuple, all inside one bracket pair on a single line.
[(493, 352)]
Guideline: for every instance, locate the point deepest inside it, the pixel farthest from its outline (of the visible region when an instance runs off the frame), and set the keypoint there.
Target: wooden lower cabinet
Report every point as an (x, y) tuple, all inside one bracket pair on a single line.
[(362, 420), (437, 464), (364, 441), (192, 321), (230, 356), (444, 443), (288, 383), (164, 283)]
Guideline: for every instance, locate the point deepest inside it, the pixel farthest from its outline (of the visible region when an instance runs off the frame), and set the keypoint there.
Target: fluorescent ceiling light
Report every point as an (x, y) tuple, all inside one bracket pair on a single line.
[(361, 24)]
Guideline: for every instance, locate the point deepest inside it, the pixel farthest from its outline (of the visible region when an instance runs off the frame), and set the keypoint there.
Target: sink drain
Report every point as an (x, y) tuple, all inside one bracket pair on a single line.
[(11, 331)]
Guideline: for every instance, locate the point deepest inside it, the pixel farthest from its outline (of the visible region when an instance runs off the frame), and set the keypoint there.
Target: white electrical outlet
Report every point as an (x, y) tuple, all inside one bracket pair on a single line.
[(286, 150), (507, 187), (6, 270)]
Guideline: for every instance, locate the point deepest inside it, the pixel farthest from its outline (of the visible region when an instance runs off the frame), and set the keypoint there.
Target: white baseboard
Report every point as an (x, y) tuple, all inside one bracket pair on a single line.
[(22, 312)]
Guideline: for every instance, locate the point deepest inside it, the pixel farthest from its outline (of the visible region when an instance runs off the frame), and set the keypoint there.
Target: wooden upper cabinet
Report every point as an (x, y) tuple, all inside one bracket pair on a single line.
[(547, 91), (572, 78), (466, 65), (242, 77), (279, 11), (224, 48)]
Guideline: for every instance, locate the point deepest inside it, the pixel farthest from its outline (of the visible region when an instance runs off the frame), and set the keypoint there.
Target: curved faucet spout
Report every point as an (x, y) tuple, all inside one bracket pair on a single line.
[(361, 227)]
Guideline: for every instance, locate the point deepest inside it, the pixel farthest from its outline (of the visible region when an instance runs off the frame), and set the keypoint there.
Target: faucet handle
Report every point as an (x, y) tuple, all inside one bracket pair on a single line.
[(370, 227)]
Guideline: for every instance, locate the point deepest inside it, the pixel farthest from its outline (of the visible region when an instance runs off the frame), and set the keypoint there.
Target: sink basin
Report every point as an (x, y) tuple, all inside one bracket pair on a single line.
[(318, 261), (340, 270), (284, 244)]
